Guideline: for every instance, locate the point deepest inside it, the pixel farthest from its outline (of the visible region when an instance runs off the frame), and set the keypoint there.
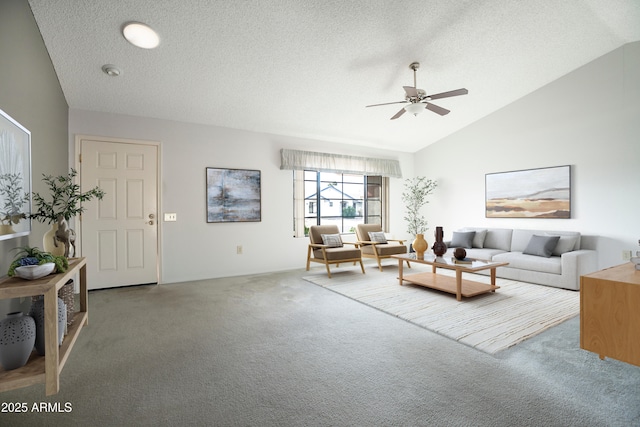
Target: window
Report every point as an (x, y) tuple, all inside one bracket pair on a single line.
[(345, 200)]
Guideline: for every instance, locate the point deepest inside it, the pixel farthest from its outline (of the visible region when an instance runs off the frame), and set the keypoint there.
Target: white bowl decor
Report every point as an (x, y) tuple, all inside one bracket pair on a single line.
[(32, 272)]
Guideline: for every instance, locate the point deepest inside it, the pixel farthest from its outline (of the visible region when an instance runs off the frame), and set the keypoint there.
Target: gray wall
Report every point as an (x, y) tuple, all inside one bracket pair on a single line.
[(31, 94), (589, 119)]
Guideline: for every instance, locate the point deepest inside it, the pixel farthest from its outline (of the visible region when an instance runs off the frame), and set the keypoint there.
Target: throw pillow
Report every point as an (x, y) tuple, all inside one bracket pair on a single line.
[(377, 236), (478, 239), (541, 245), (565, 244), (463, 239), (332, 240)]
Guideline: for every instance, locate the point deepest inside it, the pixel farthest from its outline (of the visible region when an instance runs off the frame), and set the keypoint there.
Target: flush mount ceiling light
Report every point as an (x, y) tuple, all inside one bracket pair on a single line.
[(111, 70), (141, 35)]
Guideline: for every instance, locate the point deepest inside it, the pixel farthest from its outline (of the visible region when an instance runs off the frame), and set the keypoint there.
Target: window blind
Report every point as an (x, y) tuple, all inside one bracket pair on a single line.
[(327, 162)]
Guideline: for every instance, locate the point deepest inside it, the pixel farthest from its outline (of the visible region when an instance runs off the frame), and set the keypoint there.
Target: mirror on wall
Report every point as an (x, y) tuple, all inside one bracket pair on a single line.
[(15, 178)]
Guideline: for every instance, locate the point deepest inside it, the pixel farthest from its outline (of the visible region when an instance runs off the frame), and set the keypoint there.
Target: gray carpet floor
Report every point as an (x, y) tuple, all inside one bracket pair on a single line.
[(275, 350)]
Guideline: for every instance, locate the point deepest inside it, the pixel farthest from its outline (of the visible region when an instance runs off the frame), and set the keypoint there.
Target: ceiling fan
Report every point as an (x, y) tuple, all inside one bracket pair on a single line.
[(419, 100)]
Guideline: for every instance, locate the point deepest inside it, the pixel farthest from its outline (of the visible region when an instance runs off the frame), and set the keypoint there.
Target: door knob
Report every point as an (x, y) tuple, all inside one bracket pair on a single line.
[(151, 216), (150, 222)]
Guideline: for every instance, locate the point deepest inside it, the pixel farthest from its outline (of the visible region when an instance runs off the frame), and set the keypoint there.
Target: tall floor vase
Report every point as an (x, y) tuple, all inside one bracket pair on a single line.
[(17, 337), (37, 312)]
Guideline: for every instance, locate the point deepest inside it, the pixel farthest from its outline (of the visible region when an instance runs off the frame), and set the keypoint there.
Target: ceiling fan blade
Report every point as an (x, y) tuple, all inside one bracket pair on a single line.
[(448, 94), (411, 91), (398, 114), (386, 103), (436, 109)]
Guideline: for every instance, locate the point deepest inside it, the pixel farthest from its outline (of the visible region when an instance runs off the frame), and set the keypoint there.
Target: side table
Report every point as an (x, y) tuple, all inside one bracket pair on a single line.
[(46, 369)]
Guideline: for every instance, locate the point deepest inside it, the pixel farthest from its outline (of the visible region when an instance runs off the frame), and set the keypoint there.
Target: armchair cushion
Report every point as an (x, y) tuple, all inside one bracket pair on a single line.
[(332, 240), (335, 254), (384, 249), (377, 236)]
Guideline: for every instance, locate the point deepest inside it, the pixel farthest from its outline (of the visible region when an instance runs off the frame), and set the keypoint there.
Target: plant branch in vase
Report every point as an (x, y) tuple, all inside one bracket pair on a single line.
[(65, 202), (415, 197)]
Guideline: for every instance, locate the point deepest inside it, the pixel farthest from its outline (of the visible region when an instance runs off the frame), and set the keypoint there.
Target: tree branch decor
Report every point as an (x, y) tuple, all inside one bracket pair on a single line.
[(66, 198), (415, 197)]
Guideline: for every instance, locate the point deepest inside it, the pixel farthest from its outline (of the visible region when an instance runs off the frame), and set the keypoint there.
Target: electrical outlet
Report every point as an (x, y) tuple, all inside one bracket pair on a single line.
[(626, 255), (239, 249), (170, 217)]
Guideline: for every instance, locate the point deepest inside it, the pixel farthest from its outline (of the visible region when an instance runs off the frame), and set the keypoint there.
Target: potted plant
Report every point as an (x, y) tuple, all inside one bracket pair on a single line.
[(415, 197), (13, 199), (35, 256), (65, 203)]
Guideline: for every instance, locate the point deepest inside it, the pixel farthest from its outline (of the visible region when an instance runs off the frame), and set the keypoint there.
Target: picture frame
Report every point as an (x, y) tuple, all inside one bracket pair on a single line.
[(15, 178), (233, 195), (530, 193)]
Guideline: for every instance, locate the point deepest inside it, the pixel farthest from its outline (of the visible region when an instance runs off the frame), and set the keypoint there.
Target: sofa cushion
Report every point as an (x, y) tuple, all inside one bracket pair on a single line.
[(478, 239), (522, 261), (498, 238), (462, 239), (377, 236), (332, 240), (477, 253), (541, 245), (565, 244)]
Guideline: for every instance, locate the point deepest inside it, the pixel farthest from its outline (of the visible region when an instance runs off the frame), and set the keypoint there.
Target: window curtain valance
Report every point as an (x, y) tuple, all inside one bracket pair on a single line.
[(326, 162)]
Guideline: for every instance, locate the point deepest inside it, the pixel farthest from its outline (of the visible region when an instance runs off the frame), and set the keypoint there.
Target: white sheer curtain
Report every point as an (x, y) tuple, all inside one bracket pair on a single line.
[(326, 162)]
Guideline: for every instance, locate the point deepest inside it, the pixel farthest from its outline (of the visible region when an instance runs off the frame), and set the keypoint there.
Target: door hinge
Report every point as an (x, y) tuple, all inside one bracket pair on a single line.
[(80, 158)]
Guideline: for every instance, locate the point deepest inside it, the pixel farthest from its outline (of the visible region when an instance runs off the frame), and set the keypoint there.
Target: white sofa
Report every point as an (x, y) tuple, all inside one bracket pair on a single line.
[(527, 258)]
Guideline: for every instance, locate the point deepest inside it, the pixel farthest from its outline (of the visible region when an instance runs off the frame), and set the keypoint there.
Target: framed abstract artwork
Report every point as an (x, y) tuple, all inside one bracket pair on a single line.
[(532, 193), (233, 195), (15, 178)]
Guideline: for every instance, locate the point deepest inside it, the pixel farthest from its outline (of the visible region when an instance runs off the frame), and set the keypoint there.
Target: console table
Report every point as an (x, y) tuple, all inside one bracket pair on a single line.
[(46, 369), (610, 313)]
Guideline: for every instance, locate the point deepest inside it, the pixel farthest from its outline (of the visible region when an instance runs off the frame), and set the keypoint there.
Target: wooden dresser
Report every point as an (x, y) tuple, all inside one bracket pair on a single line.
[(610, 313)]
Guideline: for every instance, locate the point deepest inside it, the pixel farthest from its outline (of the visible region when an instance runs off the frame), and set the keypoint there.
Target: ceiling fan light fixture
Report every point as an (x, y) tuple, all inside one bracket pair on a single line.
[(140, 35), (415, 108)]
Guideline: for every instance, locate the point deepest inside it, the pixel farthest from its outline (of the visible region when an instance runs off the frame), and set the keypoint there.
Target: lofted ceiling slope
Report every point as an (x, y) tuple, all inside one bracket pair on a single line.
[(308, 68)]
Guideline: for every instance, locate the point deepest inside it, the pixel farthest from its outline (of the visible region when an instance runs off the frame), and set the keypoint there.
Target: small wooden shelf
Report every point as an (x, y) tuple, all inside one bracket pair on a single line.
[(46, 369)]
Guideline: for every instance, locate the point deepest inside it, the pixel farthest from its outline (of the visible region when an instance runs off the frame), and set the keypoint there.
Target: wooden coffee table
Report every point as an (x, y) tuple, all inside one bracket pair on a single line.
[(453, 285)]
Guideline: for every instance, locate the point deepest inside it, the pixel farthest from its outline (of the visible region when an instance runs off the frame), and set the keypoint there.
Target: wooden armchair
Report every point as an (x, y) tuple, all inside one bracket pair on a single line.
[(326, 247), (378, 247)]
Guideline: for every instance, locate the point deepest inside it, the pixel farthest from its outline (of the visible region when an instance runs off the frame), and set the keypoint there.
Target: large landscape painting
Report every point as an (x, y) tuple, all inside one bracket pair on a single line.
[(533, 193), (233, 195)]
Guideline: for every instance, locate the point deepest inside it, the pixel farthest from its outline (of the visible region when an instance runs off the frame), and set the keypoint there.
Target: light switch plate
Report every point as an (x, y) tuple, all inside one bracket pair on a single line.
[(170, 217)]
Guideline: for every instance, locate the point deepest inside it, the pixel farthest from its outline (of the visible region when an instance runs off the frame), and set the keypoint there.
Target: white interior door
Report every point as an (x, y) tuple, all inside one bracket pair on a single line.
[(119, 234)]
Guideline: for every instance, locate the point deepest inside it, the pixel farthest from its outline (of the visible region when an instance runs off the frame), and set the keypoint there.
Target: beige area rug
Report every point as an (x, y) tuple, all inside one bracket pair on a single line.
[(490, 322)]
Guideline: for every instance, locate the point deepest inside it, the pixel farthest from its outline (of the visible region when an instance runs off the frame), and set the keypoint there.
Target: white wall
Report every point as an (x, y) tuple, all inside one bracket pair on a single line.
[(193, 249), (589, 119)]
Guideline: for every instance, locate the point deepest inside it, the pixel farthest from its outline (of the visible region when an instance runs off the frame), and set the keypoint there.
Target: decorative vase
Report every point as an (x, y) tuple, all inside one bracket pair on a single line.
[(66, 293), (37, 312), (420, 245), (439, 247), (460, 253), (6, 229), (17, 337), (48, 243)]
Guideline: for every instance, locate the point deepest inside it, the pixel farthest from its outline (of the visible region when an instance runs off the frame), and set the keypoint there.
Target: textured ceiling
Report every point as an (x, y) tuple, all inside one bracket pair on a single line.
[(307, 68)]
